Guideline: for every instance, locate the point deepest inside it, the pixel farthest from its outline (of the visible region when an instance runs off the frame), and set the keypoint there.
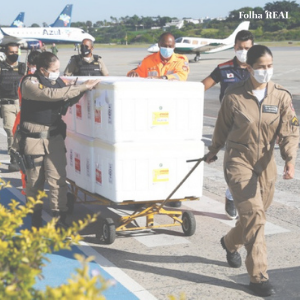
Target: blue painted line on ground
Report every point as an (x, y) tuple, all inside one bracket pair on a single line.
[(63, 264)]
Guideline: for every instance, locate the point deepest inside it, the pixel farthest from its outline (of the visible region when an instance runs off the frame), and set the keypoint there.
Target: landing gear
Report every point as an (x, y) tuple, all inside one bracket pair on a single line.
[(197, 57)]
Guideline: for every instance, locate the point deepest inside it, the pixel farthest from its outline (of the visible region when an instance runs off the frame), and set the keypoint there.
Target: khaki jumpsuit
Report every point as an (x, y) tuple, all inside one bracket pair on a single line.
[(72, 68), (49, 154), (249, 129)]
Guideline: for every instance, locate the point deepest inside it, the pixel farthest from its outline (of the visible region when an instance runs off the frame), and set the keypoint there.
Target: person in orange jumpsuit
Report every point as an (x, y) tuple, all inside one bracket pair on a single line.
[(164, 64), (31, 68)]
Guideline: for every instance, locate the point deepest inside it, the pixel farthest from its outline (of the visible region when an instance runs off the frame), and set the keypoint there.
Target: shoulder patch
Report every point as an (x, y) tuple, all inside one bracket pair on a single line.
[(295, 121), (41, 87)]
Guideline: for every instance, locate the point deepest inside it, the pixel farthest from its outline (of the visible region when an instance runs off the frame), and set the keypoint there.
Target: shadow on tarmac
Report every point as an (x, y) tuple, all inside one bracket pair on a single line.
[(284, 281)]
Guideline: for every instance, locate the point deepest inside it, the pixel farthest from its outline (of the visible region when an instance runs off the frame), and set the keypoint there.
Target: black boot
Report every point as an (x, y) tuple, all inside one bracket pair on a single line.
[(61, 223), (36, 219), (233, 258), (263, 289), (13, 166)]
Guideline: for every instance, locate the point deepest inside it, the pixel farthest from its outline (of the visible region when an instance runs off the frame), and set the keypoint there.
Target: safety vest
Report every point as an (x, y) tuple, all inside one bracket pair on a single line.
[(42, 112), (87, 69), (10, 78)]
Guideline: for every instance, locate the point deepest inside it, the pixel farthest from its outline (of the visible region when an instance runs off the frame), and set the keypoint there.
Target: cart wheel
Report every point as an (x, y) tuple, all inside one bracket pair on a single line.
[(188, 223), (71, 199), (109, 231)]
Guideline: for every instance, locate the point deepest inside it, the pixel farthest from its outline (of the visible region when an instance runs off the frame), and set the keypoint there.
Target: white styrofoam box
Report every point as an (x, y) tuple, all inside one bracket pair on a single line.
[(147, 171), (123, 109), (69, 118), (84, 115), (81, 157), (70, 146)]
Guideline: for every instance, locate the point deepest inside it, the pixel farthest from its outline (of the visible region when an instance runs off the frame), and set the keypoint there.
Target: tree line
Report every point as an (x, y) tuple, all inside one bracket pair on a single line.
[(137, 29)]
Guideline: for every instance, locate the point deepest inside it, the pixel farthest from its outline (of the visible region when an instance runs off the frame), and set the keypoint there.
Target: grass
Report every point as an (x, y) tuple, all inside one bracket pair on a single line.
[(137, 45)]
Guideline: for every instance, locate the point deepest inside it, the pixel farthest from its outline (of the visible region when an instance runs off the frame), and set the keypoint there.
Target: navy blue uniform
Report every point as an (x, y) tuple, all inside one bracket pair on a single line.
[(228, 73)]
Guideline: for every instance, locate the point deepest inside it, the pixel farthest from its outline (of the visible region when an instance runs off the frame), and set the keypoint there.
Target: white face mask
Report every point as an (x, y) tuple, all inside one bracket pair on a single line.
[(32, 70), (241, 55), (262, 76), (53, 76)]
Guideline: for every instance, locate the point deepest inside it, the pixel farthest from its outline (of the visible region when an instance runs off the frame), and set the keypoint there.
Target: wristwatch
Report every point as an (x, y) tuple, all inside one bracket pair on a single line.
[(164, 77)]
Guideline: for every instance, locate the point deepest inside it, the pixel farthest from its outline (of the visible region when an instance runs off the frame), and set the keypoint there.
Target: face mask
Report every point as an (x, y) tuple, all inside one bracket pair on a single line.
[(13, 57), (262, 76), (32, 70), (85, 50), (166, 52), (53, 76), (241, 55)]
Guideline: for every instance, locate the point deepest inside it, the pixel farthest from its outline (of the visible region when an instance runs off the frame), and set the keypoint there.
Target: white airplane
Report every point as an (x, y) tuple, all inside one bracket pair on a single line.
[(188, 45), (33, 37)]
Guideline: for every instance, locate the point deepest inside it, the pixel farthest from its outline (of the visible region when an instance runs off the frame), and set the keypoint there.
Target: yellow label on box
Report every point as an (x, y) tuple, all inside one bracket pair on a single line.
[(160, 118), (160, 175)]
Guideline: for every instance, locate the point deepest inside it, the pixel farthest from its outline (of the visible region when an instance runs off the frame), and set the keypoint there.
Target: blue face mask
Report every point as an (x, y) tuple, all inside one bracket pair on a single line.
[(166, 52)]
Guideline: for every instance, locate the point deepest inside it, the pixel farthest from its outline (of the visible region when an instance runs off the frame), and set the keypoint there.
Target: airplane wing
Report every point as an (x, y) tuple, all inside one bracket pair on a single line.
[(6, 38), (209, 47), (24, 43)]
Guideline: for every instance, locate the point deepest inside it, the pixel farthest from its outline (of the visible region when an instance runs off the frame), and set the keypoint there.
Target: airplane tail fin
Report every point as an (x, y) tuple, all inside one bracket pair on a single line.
[(242, 26), (19, 20), (64, 18)]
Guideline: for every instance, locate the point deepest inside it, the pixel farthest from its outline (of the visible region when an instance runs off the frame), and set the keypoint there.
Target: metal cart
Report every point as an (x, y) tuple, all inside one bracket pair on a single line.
[(146, 209)]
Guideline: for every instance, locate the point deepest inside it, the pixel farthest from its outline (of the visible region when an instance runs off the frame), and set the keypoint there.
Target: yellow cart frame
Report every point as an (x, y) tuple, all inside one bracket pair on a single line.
[(147, 209)]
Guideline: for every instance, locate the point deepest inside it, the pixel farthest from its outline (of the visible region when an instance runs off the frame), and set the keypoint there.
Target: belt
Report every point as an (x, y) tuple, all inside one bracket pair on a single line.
[(8, 102), (41, 135)]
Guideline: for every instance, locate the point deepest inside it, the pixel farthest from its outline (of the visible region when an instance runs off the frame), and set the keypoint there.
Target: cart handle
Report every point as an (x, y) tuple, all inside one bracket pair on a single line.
[(188, 175)]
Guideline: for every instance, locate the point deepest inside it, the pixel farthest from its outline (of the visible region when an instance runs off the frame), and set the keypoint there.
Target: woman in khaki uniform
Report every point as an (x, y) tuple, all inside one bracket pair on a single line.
[(253, 113), (42, 132)]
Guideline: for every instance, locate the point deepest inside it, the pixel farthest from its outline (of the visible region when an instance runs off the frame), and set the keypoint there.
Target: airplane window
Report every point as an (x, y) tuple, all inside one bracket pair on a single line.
[(178, 40), (195, 42), (82, 31), (187, 41)]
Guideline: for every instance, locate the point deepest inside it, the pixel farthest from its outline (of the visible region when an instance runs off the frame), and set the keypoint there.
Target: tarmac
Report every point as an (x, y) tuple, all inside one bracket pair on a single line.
[(157, 263)]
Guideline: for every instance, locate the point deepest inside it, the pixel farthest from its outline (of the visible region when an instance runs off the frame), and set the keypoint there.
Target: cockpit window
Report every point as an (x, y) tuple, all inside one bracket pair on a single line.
[(178, 40), (187, 41)]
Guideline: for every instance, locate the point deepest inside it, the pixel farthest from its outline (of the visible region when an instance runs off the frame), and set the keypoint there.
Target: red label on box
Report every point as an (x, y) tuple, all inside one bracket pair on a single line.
[(77, 163), (97, 115), (98, 176), (78, 111)]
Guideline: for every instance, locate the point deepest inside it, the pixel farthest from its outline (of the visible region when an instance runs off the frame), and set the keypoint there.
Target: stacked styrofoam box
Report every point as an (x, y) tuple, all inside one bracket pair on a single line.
[(142, 132), (69, 118), (147, 171), (80, 160)]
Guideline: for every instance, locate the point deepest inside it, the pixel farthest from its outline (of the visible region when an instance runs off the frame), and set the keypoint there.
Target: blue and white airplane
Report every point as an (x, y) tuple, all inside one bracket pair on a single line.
[(18, 21), (64, 18), (33, 37)]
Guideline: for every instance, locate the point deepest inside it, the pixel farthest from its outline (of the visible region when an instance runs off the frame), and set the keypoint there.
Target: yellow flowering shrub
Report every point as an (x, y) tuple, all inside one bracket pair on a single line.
[(22, 255)]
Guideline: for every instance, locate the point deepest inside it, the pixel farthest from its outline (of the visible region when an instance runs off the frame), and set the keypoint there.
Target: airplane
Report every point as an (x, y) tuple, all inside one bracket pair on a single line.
[(64, 18), (33, 37), (18, 21), (188, 45)]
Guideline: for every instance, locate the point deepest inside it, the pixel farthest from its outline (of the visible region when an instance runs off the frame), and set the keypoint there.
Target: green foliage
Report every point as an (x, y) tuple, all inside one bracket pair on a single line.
[(138, 29), (22, 256)]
